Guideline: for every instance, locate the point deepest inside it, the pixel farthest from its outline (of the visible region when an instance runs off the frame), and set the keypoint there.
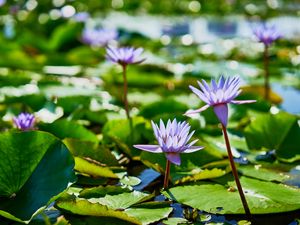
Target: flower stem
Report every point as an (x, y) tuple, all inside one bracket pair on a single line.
[(235, 173), (167, 174), (267, 73), (126, 106), (125, 89)]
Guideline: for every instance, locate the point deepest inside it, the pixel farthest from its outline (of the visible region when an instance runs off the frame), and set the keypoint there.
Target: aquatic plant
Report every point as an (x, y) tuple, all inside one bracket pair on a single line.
[(219, 95), (24, 121), (172, 140)]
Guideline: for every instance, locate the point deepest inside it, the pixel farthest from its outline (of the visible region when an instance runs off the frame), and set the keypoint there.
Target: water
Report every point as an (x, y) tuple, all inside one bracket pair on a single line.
[(202, 29), (291, 98)]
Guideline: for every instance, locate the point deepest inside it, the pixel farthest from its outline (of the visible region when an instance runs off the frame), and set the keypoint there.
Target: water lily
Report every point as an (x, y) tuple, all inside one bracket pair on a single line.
[(24, 121), (266, 34), (172, 139), (98, 36), (219, 95), (124, 55)]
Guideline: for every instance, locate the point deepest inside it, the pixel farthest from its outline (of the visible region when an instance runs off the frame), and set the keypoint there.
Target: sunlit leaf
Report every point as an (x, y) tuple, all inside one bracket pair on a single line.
[(93, 168), (262, 197)]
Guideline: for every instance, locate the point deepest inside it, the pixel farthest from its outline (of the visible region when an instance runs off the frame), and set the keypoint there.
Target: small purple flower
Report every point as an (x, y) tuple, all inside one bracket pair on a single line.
[(124, 55), (266, 34), (172, 140), (24, 121), (98, 36), (81, 16), (218, 96)]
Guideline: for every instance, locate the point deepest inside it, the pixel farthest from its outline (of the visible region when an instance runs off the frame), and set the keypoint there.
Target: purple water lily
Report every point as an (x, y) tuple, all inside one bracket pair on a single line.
[(98, 36), (24, 121), (218, 95), (266, 34), (172, 140), (124, 55)]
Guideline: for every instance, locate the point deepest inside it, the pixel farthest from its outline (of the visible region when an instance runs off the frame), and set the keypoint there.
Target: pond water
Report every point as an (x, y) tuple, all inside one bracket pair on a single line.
[(201, 29), (291, 98)]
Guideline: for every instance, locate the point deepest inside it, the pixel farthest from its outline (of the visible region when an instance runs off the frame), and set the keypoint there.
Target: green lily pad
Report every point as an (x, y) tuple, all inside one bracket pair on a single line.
[(122, 200), (28, 179), (69, 129), (165, 106), (101, 191), (149, 213), (119, 132), (262, 197), (280, 132), (259, 172), (85, 208), (93, 168), (122, 206), (92, 150)]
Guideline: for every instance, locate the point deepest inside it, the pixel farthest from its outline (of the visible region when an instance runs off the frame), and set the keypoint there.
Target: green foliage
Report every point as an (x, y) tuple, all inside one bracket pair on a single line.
[(28, 178), (262, 197), (69, 129), (280, 132)]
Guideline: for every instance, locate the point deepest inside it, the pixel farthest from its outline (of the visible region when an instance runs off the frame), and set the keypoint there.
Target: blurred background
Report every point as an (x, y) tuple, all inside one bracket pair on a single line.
[(49, 52)]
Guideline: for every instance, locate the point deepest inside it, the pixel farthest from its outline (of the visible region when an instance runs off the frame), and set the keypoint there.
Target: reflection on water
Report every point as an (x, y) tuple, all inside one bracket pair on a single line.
[(203, 29), (291, 98)]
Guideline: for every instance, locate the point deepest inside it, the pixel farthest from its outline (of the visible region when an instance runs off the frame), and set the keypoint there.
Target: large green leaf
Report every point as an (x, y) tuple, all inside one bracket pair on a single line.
[(85, 208), (91, 150), (263, 197), (262, 173), (122, 200), (165, 106), (118, 206), (101, 191), (69, 129), (280, 132), (28, 177), (149, 213), (93, 168), (119, 132)]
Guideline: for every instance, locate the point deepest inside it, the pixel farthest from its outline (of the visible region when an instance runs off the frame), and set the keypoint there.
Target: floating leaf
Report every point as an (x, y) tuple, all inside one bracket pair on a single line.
[(280, 132), (123, 200), (69, 129), (263, 197), (85, 208), (200, 175), (98, 192), (149, 213), (119, 132), (28, 179), (92, 150), (259, 172), (165, 106), (93, 168)]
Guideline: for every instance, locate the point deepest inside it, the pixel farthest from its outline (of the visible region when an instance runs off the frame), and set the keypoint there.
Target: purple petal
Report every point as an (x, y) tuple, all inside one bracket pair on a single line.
[(196, 111), (221, 112), (221, 82), (193, 149), (242, 101), (174, 158), (149, 148)]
